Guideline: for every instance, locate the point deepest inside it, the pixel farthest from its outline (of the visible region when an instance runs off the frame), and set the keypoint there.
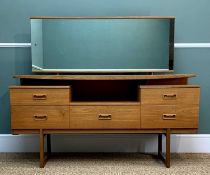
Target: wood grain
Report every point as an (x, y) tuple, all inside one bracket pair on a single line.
[(23, 117), (87, 117), (158, 95), (171, 81), (39, 87), (30, 96), (105, 77), (186, 116), (168, 86), (105, 131), (108, 103)]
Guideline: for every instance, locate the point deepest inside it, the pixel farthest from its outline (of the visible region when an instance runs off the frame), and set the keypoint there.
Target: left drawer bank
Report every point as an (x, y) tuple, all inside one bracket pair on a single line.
[(39, 107)]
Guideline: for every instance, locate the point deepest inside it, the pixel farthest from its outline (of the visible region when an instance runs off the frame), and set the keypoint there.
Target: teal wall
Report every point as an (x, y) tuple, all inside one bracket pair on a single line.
[(192, 26)]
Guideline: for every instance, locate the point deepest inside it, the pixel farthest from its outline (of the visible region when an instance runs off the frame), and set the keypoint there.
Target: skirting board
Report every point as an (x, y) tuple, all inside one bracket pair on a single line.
[(189, 143)]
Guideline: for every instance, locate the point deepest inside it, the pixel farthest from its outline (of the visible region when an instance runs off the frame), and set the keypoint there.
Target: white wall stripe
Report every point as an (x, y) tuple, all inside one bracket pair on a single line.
[(15, 44), (192, 45), (176, 45)]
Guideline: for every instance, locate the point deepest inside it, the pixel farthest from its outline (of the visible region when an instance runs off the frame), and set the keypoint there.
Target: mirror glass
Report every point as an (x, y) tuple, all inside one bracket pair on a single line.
[(100, 44)]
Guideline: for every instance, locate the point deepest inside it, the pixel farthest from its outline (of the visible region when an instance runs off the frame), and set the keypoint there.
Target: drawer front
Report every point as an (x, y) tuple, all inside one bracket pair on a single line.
[(170, 96), (37, 117), (105, 117), (169, 116), (39, 96)]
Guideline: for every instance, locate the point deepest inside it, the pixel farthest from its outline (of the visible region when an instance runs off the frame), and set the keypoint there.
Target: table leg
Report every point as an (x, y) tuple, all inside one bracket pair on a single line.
[(48, 146), (41, 151), (168, 150), (159, 145), (166, 158)]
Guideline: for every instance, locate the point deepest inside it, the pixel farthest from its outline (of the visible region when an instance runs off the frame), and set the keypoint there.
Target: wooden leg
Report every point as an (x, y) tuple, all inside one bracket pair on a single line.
[(166, 158), (159, 145), (48, 146), (41, 143), (168, 151), (43, 160)]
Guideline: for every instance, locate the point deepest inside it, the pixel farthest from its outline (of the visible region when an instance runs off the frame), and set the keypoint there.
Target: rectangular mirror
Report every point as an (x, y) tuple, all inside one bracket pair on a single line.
[(115, 44)]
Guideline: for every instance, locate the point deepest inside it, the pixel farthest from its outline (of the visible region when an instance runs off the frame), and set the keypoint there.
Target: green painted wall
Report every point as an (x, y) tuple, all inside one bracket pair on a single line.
[(192, 25)]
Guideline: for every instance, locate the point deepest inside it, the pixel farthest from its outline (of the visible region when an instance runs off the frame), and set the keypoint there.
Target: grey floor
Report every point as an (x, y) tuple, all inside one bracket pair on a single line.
[(104, 164)]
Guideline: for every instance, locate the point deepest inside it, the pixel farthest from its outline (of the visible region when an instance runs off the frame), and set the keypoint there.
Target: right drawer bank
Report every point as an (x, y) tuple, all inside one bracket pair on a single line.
[(169, 106)]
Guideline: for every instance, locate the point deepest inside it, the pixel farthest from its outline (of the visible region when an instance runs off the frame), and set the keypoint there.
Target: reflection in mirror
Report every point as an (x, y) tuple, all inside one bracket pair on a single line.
[(101, 44)]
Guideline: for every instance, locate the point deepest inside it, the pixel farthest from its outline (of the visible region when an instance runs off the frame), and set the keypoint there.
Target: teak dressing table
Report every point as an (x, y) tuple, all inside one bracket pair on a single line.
[(57, 104)]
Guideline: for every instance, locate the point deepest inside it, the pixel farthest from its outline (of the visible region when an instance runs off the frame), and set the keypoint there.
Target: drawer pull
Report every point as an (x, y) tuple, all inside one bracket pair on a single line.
[(105, 116), (169, 116), (40, 117), (169, 96), (39, 96)]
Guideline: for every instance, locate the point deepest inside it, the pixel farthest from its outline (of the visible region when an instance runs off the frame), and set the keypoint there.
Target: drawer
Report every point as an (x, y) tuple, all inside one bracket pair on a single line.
[(39, 96), (169, 116), (105, 117), (37, 117), (169, 96)]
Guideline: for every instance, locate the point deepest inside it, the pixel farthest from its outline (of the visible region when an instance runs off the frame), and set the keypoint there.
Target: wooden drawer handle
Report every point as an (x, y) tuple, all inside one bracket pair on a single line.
[(105, 116), (39, 96), (169, 116), (40, 117), (169, 96)]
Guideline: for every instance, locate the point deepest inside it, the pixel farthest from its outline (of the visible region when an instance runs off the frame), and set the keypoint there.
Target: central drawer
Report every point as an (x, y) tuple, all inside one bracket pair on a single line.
[(105, 117), (37, 117)]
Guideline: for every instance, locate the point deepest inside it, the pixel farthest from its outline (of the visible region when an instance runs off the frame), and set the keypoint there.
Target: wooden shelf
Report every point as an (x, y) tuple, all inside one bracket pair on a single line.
[(108, 103), (105, 77)]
